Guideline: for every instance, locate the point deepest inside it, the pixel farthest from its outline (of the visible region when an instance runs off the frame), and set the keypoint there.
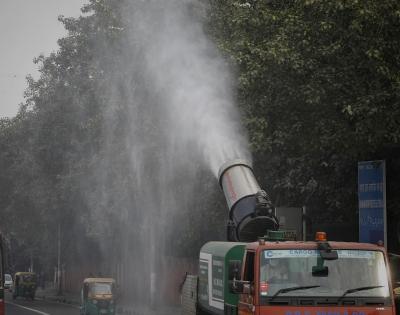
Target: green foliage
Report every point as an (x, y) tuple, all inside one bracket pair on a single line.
[(49, 149), (319, 86), (68, 156)]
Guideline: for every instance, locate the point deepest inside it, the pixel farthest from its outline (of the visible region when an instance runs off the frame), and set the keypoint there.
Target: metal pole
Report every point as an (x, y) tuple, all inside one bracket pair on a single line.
[(2, 261), (31, 267), (59, 261), (304, 225)]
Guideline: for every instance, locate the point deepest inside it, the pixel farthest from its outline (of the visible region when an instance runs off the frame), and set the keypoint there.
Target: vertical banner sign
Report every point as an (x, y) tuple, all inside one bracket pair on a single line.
[(372, 201)]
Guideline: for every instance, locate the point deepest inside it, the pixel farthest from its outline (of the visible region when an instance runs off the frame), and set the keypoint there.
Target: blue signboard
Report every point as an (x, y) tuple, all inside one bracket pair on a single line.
[(371, 202)]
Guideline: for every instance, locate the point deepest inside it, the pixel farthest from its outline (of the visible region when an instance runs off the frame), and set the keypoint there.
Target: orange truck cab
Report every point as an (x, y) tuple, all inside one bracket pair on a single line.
[(277, 277), (313, 278)]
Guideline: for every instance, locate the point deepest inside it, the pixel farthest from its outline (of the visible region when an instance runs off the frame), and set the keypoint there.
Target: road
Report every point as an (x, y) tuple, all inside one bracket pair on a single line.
[(38, 307)]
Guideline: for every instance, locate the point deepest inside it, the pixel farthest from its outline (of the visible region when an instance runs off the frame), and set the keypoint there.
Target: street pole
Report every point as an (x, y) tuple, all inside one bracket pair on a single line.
[(59, 261), (304, 224), (31, 267)]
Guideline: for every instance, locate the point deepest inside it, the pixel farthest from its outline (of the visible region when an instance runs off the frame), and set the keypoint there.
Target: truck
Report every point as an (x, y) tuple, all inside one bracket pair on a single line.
[(264, 270)]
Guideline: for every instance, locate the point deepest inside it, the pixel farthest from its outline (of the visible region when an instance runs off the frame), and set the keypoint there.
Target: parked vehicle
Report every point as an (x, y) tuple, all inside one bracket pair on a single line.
[(98, 296), (25, 285), (8, 282)]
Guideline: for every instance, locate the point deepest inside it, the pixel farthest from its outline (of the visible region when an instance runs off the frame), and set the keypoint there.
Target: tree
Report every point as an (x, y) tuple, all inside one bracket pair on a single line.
[(318, 85)]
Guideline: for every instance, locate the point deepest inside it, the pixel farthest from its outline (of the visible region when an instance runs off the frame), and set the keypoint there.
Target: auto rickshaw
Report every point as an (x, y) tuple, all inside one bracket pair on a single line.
[(98, 296), (24, 285)]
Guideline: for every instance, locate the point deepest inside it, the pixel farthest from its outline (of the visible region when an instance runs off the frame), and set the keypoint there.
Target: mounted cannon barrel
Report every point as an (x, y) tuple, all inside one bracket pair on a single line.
[(251, 212)]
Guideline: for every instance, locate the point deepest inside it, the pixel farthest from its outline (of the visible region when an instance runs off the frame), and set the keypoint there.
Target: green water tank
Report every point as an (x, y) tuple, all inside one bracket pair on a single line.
[(213, 286)]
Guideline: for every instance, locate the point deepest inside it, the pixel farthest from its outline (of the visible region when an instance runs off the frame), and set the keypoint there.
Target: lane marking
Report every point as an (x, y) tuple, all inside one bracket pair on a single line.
[(27, 308)]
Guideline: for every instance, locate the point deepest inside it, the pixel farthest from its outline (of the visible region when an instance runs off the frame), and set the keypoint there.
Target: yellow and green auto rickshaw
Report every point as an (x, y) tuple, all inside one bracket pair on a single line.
[(98, 296), (24, 285)]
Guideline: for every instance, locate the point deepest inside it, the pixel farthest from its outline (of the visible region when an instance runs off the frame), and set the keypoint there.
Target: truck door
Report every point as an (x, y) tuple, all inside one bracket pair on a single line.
[(246, 300)]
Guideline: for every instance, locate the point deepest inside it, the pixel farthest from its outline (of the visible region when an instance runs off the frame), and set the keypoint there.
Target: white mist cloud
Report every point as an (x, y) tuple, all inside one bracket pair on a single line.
[(191, 79), (171, 117)]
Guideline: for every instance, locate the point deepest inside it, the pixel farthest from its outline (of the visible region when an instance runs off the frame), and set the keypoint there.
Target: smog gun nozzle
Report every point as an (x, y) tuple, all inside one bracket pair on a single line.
[(251, 212)]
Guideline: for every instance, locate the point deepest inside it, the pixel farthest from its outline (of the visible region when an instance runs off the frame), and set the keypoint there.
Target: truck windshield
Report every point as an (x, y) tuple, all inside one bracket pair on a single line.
[(282, 269)]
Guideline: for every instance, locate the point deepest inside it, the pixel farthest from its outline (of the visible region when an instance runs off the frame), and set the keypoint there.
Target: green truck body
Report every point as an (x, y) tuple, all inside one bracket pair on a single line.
[(213, 284)]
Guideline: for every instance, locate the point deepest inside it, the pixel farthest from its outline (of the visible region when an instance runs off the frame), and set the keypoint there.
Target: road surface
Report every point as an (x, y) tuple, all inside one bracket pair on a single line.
[(22, 306)]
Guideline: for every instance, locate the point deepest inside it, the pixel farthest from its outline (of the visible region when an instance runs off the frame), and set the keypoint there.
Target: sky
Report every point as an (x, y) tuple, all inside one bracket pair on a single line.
[(28, 28)]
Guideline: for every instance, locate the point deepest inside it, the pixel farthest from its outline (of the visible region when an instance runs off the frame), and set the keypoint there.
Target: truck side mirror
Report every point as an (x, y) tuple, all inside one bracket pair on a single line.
[(247, 288), (234, 269), (326, 251), (320, 271), (329, 255), (236, 286)]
